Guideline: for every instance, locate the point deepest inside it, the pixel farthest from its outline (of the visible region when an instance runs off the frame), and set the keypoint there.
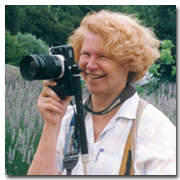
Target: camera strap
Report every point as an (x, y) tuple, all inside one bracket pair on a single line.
[(127, 92), (72, 146)]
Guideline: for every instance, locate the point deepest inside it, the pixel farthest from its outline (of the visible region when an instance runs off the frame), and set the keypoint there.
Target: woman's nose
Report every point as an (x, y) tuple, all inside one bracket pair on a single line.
[(92, 63)]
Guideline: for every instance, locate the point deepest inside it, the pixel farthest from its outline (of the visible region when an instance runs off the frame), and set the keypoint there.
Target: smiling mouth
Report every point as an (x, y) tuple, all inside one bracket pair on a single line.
[(96, 76)]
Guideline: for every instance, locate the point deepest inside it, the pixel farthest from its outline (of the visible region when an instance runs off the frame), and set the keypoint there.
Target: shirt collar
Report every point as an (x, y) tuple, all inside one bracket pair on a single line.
[(129, 108)]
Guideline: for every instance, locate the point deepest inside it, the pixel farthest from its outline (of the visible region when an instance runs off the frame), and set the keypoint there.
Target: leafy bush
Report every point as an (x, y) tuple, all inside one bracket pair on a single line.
[(162, 71), (12, 49), (165, 67), (18, 46), (31, 45)]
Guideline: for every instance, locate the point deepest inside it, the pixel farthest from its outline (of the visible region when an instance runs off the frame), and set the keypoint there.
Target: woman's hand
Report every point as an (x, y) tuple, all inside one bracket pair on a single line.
[(53, 110), (50, 105)]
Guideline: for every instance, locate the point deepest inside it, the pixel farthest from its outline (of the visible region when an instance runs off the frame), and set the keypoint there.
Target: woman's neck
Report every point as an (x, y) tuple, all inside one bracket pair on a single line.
[(100, 102)]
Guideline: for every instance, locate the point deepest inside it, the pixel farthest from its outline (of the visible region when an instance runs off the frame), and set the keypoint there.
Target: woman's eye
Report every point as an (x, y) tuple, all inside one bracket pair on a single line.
[(85, 54), (103, 57)]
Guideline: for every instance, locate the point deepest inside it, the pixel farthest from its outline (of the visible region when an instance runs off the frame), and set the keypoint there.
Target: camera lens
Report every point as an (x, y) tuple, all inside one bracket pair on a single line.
[(36, 67), (32, 68)]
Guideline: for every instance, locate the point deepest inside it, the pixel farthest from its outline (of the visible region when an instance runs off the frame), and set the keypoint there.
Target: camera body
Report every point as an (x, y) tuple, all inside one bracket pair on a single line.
[(59, 65), (64, 85)]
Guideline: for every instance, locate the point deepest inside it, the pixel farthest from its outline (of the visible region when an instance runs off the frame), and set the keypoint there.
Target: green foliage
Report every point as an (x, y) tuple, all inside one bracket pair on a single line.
[(140, 89), (162, 18), (18, 46), (166, 56), (13, 18), (154, 69), (159, 69), (82, 84), (165, 67), (173, 71), (31, 45), (41, 22), (12, 49)]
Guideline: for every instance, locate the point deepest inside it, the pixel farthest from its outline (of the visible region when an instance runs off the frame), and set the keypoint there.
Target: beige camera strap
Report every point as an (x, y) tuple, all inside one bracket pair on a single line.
[(129, 150)]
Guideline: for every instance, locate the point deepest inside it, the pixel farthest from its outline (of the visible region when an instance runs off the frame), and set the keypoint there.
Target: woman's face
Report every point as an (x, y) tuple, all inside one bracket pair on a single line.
[(102, 75)]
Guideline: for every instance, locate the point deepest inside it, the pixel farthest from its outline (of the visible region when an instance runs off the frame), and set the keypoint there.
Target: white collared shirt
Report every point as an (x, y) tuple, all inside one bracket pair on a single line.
[(155, 152)]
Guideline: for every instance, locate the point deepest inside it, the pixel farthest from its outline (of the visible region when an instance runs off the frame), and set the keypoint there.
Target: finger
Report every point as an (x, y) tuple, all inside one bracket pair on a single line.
[(49, 83), (48, 92), (50, 101), (48, 107)]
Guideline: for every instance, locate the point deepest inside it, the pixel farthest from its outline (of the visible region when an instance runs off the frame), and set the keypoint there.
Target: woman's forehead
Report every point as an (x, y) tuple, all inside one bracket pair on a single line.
[(93, 41)]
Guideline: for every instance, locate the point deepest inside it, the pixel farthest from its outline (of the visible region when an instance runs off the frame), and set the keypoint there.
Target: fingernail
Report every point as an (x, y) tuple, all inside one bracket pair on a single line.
[(54, 83)]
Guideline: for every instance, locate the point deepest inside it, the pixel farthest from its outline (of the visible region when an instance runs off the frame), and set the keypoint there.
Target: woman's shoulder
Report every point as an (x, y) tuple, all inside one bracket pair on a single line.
[(153, 122), (156, 143), (153, 115)]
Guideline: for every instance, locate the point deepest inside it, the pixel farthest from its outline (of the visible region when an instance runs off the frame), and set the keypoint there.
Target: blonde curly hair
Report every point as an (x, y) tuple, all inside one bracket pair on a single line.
[(124, 39)]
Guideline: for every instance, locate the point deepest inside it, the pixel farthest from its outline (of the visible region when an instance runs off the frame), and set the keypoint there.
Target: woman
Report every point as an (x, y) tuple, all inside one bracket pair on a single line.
[(112, 49)]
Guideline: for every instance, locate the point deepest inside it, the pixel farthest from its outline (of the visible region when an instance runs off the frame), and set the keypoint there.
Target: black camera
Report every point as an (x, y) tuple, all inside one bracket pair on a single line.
[(59, 65)]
